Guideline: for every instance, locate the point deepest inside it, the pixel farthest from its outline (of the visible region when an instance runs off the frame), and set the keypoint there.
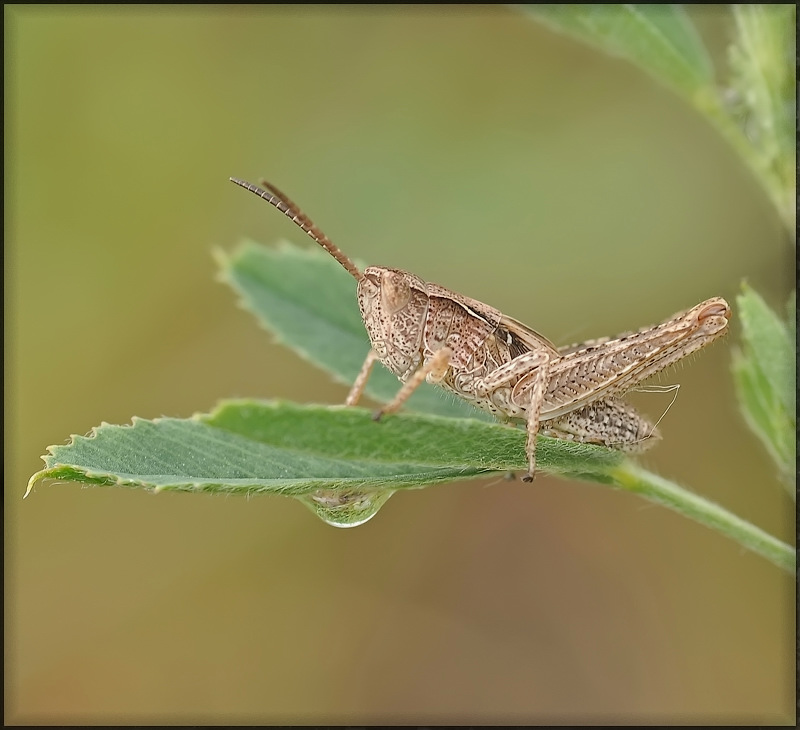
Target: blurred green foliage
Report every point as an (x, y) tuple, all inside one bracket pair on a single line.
[(766, 381), (480, 151)]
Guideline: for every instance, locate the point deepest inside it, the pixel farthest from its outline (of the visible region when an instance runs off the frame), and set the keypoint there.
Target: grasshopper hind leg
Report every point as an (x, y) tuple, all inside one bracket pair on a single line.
[(607, 422)]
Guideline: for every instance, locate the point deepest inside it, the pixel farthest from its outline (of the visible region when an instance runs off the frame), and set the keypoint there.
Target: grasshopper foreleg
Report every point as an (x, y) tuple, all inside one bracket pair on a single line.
[(361, 380), (433, 371)]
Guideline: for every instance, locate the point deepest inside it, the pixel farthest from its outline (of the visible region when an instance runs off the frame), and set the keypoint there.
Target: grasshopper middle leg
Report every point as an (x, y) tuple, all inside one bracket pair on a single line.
[(433, 371), (534, 367)]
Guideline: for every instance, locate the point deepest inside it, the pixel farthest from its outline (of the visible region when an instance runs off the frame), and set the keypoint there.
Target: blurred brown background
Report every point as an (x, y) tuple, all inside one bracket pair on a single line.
[(481, 151)]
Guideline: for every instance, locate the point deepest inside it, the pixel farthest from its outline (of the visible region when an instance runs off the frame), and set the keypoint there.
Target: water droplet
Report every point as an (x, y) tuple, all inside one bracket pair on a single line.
[(346, 508)]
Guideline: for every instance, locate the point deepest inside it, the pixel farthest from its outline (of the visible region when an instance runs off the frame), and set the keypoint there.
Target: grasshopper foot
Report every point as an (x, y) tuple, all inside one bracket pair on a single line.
[(528, 477), (376, 416)]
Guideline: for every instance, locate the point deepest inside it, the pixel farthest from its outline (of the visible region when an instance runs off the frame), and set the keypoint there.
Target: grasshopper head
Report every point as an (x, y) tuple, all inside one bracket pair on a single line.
[(394, 305)]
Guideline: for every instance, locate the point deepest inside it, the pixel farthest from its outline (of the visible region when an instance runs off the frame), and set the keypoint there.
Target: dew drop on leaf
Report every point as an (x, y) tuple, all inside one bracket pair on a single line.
[(345, 508)]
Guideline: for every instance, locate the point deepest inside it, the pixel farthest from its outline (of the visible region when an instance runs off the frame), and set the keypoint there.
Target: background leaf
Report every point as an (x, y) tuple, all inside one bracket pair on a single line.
[(661, 39), (765, 376), (763, 93), (755, 112)]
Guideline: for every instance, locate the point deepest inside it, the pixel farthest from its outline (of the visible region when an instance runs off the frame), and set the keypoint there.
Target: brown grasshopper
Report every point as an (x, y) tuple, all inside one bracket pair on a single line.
[(422, 331)]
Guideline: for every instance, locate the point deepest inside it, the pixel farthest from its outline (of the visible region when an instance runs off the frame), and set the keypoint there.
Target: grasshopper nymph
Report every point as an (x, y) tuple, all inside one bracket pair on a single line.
[(422, 331)]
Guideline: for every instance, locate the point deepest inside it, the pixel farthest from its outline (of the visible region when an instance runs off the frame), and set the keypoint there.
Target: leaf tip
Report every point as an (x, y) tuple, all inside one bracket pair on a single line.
[(220, 256), (31, 482), (224, 262), (745, 289)]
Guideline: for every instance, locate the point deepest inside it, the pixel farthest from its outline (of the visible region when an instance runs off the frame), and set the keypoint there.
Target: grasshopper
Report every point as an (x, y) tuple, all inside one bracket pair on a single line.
[(425, 332)]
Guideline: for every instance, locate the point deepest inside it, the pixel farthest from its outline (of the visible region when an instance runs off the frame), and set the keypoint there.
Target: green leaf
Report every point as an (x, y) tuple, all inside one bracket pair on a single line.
[(332, 454), (308, 301), (343, 466), (755, 112), (661, 39), (764, 373), (419, 439), (763, 91), (250, 446)]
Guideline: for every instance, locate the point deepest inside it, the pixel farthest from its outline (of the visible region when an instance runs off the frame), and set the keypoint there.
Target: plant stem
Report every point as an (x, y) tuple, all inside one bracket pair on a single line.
[(632, 478), (775, 188)]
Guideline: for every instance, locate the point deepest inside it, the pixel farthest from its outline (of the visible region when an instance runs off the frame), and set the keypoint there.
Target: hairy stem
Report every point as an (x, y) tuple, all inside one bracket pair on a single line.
[(662, 491)]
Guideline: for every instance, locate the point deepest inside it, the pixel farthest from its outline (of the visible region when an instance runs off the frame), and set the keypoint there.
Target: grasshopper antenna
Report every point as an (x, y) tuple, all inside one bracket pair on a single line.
[(275, 197)]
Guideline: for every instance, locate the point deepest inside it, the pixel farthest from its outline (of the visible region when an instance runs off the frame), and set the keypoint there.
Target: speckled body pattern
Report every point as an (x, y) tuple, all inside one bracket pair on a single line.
[(423, 331), (408, 320)]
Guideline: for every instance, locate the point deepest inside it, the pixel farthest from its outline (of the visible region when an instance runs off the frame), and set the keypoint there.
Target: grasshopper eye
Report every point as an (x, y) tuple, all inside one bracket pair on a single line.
[(368, 287), (395, 292)]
